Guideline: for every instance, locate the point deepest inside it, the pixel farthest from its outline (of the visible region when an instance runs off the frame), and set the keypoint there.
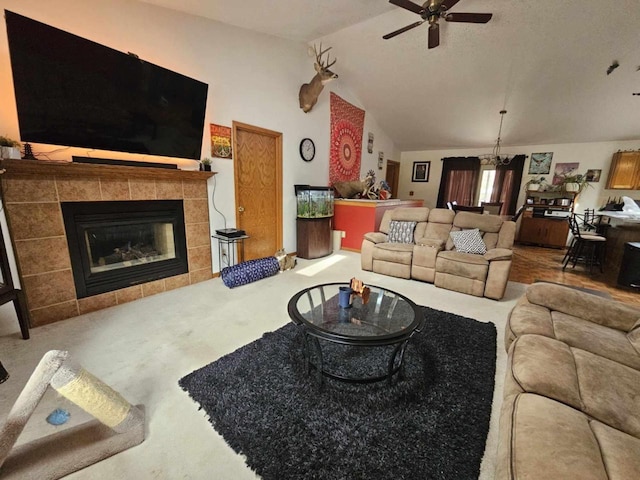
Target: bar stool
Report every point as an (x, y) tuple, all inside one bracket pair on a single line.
[(587, 247)]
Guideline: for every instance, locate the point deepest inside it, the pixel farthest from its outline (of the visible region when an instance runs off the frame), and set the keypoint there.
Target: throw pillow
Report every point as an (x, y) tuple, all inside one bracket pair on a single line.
[(469, 241), (401, 232)]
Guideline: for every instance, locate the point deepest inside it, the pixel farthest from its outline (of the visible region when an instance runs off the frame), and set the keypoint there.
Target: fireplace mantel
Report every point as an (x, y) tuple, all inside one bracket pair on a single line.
[(87, 170), (32, 194)]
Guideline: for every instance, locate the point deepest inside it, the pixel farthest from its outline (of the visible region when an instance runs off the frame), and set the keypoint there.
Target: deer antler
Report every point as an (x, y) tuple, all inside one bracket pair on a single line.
[(319, 57)]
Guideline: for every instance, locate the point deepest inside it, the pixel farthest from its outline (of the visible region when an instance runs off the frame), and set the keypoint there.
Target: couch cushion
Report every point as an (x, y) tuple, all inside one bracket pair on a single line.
[(545, 439), (528, 318), (468, 258), (394, 252), (469, 241), (546, 367), (604, 341), (486, 223), (441, 215), (401, 232), (605, 312), (410, 214), (580, 379), (466, 265)]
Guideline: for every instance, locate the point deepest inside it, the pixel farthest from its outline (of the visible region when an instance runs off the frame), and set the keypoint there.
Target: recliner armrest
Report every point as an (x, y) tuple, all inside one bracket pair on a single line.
[(498, 254), (376, 237)]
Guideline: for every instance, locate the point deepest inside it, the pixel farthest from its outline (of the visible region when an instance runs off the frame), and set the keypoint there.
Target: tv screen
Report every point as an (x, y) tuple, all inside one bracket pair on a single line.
[(74, 92)]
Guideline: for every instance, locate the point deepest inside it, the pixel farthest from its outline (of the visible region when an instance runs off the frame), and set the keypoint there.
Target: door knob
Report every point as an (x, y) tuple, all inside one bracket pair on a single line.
[(241, 209)]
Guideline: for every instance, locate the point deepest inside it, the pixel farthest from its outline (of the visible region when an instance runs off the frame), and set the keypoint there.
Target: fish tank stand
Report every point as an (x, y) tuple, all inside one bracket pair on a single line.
[(314, 221)]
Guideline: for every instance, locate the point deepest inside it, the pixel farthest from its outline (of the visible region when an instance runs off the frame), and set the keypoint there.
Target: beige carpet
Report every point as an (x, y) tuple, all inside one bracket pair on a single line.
[(143, 348)]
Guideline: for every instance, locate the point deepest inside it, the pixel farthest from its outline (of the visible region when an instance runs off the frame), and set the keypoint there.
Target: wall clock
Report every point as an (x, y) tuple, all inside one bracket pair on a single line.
[(307, 149)]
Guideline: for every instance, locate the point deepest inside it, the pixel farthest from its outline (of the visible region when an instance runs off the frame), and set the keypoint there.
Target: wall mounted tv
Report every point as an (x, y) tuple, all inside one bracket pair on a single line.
[(74, 92)]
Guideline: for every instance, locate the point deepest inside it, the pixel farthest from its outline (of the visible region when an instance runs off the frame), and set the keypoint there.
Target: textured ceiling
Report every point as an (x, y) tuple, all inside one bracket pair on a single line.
[(544, 61)]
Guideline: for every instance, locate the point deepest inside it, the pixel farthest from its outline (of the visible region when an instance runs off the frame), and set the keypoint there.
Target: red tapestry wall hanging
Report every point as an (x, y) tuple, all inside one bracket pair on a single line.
[(347, 123)]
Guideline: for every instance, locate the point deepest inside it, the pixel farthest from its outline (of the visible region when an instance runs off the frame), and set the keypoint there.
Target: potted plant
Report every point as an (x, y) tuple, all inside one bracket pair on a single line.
[(574, 183), (534, 184), (9, 148), (205, 164)]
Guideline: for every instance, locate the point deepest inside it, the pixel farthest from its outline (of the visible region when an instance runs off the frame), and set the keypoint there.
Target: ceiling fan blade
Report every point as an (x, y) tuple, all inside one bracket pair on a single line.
[(406, 4), (402, 30), (468, 17), (434, 35), (449, 3)]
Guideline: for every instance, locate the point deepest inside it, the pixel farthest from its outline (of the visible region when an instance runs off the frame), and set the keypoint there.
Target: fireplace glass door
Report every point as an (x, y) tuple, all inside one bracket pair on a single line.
[(115, 245), (123, 246)]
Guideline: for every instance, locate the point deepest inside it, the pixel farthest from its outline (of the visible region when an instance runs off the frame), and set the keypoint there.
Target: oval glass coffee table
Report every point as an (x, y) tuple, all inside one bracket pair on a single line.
[(387, 320)]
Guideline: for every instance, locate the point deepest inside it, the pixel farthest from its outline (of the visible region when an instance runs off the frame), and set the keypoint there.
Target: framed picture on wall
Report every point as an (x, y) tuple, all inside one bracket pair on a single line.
[(540, 163), (593, 175), (421, 171)]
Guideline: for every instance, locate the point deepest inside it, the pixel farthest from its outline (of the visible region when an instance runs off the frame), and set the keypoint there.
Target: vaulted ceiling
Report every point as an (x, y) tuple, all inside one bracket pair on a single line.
[(544, 61)]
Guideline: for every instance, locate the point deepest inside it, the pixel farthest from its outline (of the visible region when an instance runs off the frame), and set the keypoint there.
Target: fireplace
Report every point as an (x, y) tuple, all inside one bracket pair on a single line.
[(114, 245)]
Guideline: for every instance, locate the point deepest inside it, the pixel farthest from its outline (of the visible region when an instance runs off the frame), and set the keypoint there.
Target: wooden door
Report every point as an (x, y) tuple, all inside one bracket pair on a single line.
[(257, 156), (393, 174)]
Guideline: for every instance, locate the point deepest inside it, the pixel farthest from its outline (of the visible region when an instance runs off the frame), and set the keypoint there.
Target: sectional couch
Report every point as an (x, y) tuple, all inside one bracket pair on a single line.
[(571, 407), (430, 254)]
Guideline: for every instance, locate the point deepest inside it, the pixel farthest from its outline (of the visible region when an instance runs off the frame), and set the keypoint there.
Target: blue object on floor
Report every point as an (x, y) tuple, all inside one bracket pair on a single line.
[(58, 417), (249, 271)]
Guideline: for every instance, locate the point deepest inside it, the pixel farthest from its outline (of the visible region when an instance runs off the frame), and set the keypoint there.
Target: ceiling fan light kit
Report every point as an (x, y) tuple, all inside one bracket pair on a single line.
[(432, 11)]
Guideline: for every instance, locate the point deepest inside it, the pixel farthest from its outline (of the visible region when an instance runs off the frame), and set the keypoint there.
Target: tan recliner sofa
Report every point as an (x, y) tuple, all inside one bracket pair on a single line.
[(432, 256), (571, 405)]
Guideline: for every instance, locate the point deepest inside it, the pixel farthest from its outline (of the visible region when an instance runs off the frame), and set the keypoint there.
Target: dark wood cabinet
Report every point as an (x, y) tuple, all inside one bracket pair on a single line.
[(549, 232), (313, 237)]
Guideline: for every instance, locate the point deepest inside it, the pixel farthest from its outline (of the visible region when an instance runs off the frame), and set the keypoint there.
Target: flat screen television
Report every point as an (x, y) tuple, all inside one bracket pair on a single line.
[(74, 92)]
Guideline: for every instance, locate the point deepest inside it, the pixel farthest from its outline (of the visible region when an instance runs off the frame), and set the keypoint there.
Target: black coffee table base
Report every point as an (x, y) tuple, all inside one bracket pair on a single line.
[(311, 348)]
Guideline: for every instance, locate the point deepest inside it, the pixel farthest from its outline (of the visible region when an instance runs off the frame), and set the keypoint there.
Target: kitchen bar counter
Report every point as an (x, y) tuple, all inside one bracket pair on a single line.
[(621, 230), (358, 216)]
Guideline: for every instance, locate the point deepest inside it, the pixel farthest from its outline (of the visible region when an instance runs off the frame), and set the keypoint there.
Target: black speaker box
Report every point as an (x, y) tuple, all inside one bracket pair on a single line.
[(629, 275)]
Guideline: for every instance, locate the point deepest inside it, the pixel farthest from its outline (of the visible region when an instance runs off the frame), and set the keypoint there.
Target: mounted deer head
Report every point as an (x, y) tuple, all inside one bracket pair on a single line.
[(309, 91)]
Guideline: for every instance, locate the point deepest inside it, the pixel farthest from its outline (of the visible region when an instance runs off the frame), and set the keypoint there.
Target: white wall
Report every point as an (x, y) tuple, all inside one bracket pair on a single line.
[(588, 155), (253, 78)]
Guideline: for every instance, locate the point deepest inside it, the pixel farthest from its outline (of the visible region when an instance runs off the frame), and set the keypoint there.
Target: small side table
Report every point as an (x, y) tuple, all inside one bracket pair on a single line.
[(230, 243)]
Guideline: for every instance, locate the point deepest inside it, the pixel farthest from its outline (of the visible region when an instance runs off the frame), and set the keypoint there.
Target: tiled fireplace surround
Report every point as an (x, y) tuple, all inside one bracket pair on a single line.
[(32, 192)]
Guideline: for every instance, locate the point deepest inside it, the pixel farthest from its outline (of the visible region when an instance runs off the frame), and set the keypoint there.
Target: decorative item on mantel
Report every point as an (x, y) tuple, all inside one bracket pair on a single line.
[(205, 163), (9, 148)]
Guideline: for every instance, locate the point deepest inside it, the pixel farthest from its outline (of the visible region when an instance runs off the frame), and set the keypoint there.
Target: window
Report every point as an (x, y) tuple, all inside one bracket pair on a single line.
[(486, 185)]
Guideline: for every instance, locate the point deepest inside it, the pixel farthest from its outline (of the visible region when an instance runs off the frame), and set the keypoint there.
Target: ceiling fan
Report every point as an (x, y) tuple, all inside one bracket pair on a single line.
[(432, 11)]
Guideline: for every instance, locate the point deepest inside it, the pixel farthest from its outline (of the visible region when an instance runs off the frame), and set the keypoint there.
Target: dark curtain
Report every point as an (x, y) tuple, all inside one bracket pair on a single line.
[(459, 180), (506, 185)]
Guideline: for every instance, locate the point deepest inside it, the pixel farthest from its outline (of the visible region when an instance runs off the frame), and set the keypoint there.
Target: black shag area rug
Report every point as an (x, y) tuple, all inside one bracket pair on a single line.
[(431, 425)]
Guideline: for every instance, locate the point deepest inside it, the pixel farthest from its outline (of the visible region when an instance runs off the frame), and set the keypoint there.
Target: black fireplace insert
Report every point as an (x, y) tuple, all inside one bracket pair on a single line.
[(115, 245)]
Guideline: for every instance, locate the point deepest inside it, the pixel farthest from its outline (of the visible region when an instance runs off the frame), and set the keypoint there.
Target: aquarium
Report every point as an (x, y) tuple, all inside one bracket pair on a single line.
[(314, 202)]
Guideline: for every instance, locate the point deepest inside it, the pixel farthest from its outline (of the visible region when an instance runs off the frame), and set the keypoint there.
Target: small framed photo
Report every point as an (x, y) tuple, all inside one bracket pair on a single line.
[(421, 171), (593, 175)]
